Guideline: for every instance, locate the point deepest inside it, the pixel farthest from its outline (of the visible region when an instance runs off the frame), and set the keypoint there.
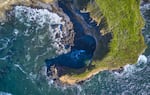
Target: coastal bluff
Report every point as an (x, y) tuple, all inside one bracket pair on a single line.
[(104, 37)]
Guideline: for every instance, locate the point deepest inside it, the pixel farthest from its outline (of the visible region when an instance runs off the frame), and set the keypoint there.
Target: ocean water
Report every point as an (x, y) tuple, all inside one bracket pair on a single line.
[(29, 38)]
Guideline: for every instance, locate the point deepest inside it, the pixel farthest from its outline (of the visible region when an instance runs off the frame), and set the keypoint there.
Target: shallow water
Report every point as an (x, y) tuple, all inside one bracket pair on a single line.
[(25, 44)]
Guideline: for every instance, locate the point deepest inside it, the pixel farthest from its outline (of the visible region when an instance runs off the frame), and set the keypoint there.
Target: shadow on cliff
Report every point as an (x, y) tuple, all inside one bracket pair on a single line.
[(84, 25), (89, 44)]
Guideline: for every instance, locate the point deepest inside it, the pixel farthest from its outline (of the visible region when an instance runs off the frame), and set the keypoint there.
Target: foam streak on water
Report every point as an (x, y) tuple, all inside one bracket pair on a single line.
[(16, 65)]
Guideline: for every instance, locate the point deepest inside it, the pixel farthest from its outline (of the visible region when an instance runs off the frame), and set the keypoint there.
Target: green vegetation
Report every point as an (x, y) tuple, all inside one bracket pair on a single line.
[(124, 20), (95, 12)]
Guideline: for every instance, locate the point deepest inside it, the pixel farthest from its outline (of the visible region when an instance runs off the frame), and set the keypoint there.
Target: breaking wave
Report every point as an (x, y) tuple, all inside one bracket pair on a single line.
[(43, 20)]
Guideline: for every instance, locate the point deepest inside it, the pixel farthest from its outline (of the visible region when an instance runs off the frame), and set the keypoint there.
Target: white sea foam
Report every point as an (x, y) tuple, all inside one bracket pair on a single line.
[(79, 88), (26, 33), (130, 69), (145, 7), (4, 43), (43, 18), (28, 57), (142, 59), (19, 67), (50, 82), (4, 58), (32, 76), (38, 16), (16, 32), (5, 93)]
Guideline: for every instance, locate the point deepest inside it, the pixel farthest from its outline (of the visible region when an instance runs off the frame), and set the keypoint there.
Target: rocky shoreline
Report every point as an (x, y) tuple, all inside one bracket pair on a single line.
[(81, 28), (75, 27)]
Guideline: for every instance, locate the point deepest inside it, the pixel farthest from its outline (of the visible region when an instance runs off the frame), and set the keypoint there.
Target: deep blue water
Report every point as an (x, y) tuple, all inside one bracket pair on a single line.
[(25, 44)]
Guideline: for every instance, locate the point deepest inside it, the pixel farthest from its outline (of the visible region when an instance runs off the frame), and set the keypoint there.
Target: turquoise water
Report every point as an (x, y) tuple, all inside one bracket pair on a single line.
[(26, 40)]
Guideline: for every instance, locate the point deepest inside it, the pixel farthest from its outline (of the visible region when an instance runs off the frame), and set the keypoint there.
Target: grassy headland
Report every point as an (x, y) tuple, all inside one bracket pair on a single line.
[(124, 20)]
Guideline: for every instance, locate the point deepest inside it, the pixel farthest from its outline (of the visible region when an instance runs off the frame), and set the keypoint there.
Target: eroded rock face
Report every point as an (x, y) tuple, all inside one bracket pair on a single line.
[(6, 5)]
